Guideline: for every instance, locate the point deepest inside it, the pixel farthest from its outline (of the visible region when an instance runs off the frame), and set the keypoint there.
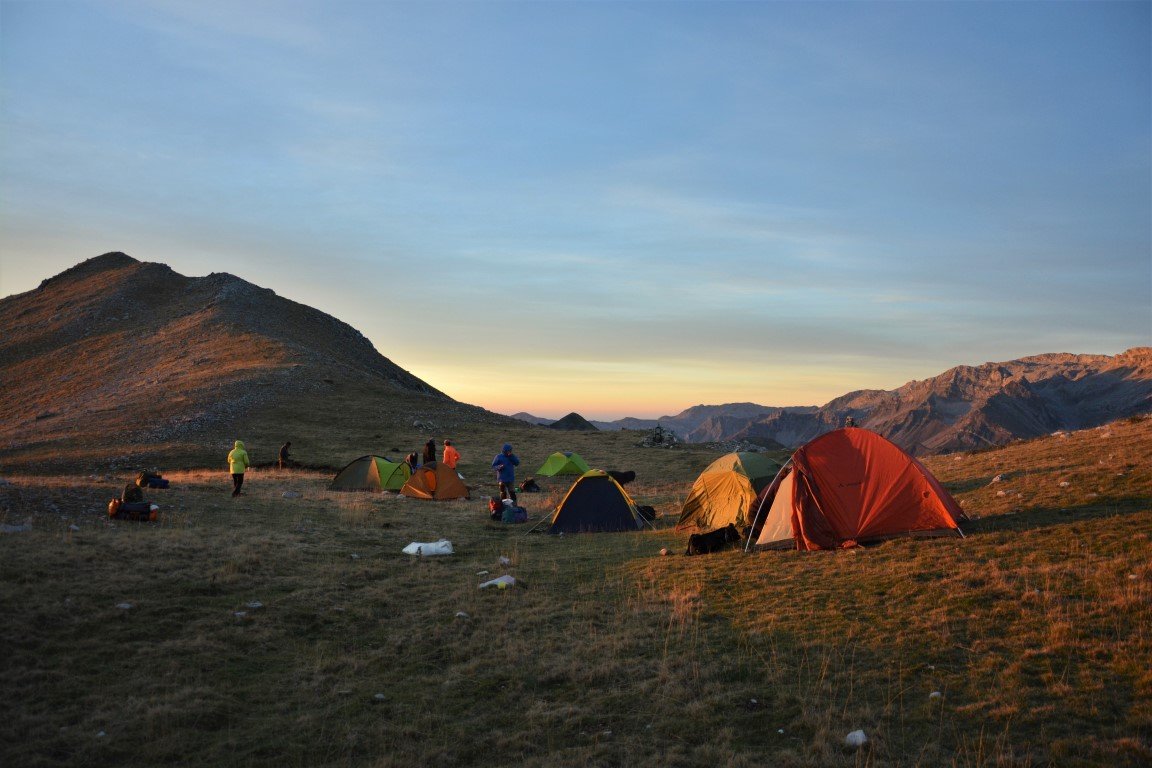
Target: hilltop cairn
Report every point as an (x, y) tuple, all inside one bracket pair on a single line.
[(660, 438)]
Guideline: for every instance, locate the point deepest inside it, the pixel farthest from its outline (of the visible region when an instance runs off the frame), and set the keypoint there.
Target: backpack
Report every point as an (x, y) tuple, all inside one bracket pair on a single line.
[(513, 514)]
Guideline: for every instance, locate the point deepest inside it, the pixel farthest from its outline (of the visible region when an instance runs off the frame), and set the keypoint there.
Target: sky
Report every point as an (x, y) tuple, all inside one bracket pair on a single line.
[(614, 208)]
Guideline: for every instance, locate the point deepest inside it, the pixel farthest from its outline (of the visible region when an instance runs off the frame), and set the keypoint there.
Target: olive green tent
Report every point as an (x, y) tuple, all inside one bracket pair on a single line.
[(725, 491), (563, 463), (371, 473)]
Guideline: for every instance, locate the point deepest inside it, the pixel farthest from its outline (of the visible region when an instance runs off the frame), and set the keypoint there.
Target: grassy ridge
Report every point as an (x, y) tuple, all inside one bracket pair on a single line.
[(1036, 629)]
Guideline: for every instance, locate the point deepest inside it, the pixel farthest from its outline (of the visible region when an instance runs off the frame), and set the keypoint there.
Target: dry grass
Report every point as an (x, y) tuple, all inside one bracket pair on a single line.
[(1036, 629)]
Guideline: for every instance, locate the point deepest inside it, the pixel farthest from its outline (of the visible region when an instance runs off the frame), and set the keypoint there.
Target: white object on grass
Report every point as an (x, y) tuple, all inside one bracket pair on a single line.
[(427, 549), (500, 582), (856, 739)]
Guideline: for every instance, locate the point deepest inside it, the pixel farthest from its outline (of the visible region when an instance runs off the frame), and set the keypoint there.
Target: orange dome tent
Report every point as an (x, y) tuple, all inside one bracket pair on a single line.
[(851, 486), (435, 480)]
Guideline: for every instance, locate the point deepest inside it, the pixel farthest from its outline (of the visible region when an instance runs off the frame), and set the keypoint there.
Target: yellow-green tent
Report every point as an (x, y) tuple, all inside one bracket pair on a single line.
[(725, 491), (371, 473), (563, 463)]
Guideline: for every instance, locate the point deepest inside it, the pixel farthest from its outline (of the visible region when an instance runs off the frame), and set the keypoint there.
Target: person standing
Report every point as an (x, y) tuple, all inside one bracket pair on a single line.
[(505, 465), (283, 458), (451, 455), (237, 464), (429, 452)]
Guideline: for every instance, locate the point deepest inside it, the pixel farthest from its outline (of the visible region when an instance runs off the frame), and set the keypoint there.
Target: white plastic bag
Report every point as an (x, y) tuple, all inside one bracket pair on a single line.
[(500, 582), (424, 549)]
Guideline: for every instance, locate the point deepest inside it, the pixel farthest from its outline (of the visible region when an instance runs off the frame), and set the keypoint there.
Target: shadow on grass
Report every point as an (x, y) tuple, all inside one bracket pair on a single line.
[(1045, 517)]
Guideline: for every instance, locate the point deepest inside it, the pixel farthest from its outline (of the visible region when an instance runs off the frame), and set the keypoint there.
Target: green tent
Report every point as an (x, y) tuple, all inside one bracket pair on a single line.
[(371, 473), (725, 491), (563, 463)]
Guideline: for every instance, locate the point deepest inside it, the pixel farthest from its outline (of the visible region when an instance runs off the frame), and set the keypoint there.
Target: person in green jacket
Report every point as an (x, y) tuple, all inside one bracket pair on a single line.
[(237, 463)]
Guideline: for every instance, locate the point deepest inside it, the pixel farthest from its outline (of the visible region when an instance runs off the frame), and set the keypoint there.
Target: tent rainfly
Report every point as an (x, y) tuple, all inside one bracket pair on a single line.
[(847, 487), (726, 490), (563, 463), (371, 473)]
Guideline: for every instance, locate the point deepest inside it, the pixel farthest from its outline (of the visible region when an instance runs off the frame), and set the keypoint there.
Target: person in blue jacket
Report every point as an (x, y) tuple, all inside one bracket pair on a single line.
[(505, 465)]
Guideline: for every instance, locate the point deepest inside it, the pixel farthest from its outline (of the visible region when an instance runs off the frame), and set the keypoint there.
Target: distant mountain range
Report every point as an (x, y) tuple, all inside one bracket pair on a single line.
[(118, 362), (964, 408)]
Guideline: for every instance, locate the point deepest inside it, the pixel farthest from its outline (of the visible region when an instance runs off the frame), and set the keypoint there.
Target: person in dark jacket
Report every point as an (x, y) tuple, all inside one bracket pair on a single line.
[(133, 493), (505, 465), (429, 452), (284, 459)]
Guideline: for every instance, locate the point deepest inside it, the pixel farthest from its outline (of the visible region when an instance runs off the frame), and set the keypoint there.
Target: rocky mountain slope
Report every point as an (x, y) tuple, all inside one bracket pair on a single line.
[(964, 408), (121, 358)]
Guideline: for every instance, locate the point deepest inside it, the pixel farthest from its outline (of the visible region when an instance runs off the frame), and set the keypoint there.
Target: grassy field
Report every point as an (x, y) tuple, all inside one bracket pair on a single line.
[(291, 630)]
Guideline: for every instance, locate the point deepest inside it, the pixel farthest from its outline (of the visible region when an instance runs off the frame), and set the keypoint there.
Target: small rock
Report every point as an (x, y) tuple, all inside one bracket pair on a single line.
[(240, 614), (505, 560), (101, 735), (291, 495), (855, 739), (379, 697), (255, 605), (780, 731), (125, 606), (461, 615), (73, 527), (935, 695), (663, 551), (355, 556)]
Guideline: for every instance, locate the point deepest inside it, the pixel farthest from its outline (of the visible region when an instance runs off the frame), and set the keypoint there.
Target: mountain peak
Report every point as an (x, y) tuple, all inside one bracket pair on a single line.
[(107, 262), (115, 351)]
